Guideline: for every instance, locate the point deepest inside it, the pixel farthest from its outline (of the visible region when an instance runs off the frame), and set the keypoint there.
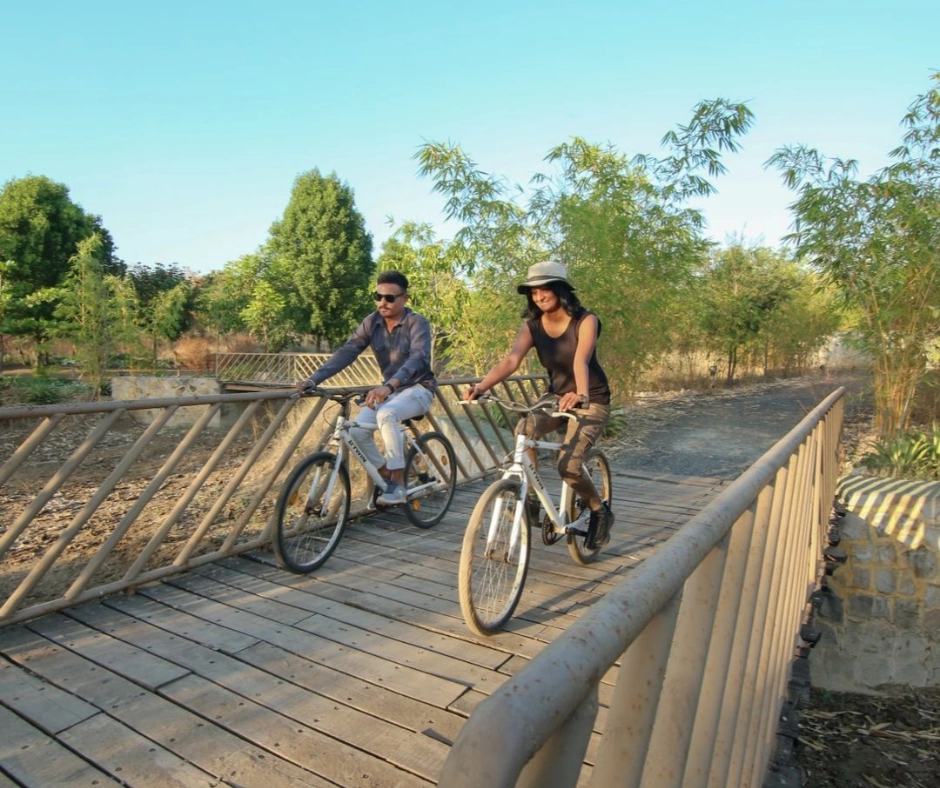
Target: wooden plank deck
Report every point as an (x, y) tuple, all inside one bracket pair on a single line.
[(241, 674)]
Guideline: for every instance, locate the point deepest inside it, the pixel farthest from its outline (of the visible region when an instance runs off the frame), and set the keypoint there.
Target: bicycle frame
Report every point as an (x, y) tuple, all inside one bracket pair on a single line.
[(342, 443), (524, 469)]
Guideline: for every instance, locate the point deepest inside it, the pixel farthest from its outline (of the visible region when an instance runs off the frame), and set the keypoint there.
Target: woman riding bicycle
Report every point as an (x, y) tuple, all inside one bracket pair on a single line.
[(564, 334)]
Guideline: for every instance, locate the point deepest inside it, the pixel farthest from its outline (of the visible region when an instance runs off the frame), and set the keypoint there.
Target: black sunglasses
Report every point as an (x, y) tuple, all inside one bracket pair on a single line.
[(387, 297)]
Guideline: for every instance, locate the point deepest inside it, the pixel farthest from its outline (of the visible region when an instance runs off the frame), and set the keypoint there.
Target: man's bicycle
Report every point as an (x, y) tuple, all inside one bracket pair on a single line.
[(494, 558), (313, 505)]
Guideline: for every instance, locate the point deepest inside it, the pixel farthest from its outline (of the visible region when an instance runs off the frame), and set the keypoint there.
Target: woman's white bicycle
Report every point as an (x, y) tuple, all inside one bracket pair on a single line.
[(494, 558), (313, 505)]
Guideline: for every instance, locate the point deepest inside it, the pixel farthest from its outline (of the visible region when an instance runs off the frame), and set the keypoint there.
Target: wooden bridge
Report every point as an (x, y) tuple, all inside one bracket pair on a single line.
[(240, 674)]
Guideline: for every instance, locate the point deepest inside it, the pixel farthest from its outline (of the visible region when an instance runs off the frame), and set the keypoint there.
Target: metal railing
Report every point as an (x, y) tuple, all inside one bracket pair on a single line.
[(705, 630), (285, 369), (97, 498)]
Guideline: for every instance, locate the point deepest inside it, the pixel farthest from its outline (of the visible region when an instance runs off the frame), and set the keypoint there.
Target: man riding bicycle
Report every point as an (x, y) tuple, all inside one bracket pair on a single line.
[(401, 342)]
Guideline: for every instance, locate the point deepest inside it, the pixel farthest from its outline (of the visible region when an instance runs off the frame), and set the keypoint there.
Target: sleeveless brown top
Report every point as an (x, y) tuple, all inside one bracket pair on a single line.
[(557, 356)]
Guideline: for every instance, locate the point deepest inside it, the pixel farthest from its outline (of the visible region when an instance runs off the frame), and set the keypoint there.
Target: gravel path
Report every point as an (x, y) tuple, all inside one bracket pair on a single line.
[(719, 434)]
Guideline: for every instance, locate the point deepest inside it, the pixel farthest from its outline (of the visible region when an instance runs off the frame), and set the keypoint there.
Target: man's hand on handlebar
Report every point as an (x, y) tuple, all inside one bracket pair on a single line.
[(378, 395)]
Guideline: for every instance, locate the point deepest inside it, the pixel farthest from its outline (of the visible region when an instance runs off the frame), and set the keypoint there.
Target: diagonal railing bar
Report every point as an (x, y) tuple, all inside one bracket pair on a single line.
[(471, 450), (714, 683), (719, 758), (285, 369), (505, 742), (202, 529), (57, 480), (60, 544), (176, 498), (26, 449), (279, 465), (170, 520), (103, 492)]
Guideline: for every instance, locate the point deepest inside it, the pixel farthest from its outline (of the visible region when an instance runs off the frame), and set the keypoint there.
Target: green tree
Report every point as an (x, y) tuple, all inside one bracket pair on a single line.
[(166, 301), (166, 316), (5, 297), (741, 290), (620, 224), (264, 316), (433, 289), (254, 293), (86, 311), (151, 280), (322, 246), (877, 241), (40, 229)]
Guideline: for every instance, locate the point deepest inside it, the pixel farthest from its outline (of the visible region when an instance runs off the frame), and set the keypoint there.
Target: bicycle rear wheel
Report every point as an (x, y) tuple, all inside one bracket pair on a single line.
[(597, 467), (308, 525), (431, 464), (494, 559)]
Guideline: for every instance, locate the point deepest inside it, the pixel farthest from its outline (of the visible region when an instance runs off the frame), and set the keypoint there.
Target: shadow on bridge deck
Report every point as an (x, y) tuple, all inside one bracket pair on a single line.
[(241, 674)]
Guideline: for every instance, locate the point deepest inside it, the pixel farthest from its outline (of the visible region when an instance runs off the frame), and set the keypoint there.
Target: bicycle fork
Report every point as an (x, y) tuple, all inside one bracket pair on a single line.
[(493, 532)]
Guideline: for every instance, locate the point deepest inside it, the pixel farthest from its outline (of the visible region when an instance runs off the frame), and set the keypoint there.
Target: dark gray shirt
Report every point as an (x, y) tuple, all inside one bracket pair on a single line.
[(404, 353)]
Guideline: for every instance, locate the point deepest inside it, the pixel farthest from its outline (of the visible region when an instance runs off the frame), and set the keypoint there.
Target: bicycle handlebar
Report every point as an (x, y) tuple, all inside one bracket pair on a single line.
[(519, 408), (336, 395)]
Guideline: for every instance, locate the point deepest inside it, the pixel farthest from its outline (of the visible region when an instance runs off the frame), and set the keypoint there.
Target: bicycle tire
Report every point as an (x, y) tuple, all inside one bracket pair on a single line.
[(309, 530), (490, 581), (430, 458), (598, 468)]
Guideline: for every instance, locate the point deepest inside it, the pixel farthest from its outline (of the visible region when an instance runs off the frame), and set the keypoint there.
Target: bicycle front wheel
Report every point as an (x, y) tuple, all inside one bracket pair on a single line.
[(430, 479), (494, 558), (597, 467), (312, 511)]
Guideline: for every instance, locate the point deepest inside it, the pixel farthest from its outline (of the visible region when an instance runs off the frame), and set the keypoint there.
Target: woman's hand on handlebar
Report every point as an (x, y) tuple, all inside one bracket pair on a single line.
[(474, 392), (572, 400)]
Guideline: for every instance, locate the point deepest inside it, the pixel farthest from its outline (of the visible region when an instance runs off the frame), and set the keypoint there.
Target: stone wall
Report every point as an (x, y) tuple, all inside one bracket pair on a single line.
[(879, 614), (134, 387)]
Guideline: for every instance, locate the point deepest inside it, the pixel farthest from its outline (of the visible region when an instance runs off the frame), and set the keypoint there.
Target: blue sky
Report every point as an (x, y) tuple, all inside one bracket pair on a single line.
[(184, 124)]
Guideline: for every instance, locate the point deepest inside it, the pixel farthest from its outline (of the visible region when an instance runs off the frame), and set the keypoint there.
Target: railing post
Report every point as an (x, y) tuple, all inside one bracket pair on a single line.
[(767, 630), (724, 631), (729, 770), (558, 763), (672, 731), (632, 712), (731, 704)]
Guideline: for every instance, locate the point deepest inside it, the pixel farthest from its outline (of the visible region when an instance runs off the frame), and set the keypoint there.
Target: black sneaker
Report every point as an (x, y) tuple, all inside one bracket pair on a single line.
[(599, 528), (533, 508)]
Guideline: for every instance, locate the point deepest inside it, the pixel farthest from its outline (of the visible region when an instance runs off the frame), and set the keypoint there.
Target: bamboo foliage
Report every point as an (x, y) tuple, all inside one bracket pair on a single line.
[(877, 241)]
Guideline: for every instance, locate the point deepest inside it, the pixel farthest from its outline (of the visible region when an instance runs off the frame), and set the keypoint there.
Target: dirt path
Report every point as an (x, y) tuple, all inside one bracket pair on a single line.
[(719, 434)]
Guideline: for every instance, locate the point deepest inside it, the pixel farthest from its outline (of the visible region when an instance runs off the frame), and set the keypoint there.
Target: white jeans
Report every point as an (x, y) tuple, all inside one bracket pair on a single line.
[(404, 404)]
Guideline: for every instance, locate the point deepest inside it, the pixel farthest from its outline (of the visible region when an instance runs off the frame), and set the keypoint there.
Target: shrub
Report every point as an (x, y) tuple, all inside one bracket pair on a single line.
[(914, 454), (193, 353), (39, 390)]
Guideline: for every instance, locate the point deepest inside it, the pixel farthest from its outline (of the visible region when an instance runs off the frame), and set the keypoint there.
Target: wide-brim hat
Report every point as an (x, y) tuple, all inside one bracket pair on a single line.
[(541, 274)]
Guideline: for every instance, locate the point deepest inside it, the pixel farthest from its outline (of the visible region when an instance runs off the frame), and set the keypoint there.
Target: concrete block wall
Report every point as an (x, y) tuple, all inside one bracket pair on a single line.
[(879, 613), (135, 387)]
